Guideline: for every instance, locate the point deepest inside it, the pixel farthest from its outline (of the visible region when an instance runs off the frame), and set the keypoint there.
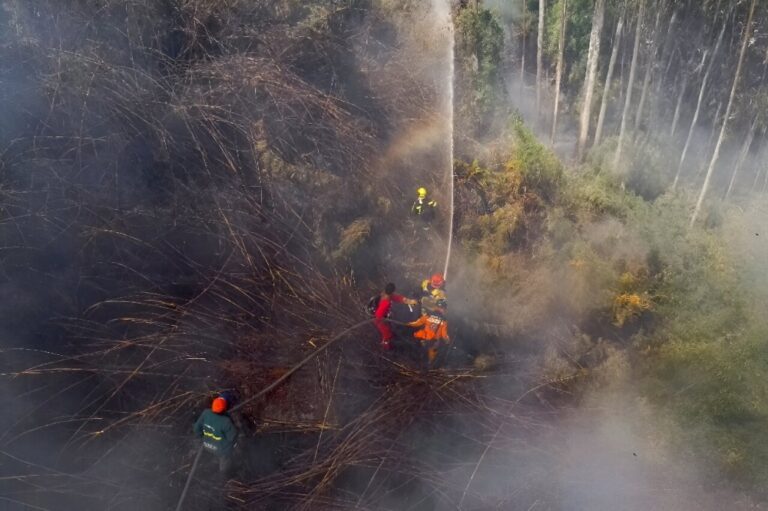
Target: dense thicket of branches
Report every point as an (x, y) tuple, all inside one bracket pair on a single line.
[(184, 184)]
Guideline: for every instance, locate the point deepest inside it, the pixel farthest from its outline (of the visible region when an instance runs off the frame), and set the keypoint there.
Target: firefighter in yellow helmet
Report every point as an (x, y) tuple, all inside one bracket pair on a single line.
[(423, 207), (433, 286)]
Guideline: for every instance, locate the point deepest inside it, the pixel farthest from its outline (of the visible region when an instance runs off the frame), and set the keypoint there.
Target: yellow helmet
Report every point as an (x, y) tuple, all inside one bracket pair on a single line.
[(422, 192), (438, 294)]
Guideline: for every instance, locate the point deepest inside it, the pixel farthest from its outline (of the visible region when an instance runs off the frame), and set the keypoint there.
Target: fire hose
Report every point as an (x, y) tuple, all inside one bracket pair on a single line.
[(497, 328), (271, 387)]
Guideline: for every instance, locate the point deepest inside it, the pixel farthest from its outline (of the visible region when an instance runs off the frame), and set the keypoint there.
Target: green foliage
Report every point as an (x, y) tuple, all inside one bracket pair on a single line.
[(479, 47), (579, 22), (579, 26), (552, 27), (648, 171), (594, 193), (493, 229), (718, 387), (622, 253), (499, 228), (705, 360), (513, 192), (645, 168), (540, 168)]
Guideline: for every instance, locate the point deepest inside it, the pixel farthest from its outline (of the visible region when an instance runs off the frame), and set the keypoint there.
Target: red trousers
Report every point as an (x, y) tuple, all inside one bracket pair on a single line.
[(385, 331)]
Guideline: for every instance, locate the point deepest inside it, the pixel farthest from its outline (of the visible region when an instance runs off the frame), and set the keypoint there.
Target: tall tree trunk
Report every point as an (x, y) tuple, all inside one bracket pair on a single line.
[(608, 79), (648, 69), (560, 63), (676, 116), (630, 85), (765, 182), (589, 79), (762, 134), (524, 30), (539, 55), (715, 124), (665, 56), (622, 69), (717, 13), (757, 178), (643, 91), (716, 154), (667, 67), (696, 112), (742, 156), (759, 172), (711, 140)]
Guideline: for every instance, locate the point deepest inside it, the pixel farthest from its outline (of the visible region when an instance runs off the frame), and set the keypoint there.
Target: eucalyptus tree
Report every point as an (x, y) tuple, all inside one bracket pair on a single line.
[(609, 78), (589, 80), (524, 27), (631, 84), (745, 39), (560, 64), (743, 154), (539, 54), (697, 111), (651, 64)]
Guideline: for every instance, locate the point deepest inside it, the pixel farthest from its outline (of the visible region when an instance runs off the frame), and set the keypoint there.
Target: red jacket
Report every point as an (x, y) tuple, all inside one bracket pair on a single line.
[(385, 305)]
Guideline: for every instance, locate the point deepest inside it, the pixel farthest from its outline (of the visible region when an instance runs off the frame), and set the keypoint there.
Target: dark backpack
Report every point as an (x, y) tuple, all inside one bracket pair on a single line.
[(373, 304)]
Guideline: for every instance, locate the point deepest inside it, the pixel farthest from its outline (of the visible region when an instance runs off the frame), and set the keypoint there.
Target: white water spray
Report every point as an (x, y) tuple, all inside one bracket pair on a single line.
[(449, 114)]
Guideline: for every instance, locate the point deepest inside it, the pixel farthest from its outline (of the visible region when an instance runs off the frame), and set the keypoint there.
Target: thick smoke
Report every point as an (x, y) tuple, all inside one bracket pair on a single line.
[(208, 191)]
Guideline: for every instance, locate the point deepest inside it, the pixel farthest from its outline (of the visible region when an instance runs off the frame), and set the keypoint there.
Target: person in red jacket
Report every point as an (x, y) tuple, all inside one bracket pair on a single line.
[(382, 311)]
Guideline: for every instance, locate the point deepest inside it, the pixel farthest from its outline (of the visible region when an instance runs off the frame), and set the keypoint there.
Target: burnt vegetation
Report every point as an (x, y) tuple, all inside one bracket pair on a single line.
[(176, 178), (195, 195)]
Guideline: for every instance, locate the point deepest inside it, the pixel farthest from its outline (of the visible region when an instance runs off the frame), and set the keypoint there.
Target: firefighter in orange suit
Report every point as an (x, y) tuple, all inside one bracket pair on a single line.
[(432, 328)]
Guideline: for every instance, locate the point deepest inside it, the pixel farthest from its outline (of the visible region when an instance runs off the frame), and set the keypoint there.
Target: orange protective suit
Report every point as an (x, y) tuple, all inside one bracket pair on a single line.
[(434, 329)]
